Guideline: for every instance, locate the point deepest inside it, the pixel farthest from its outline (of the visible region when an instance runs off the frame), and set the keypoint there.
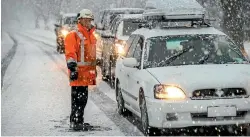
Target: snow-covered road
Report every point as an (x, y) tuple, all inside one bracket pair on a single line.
[(36, 94)]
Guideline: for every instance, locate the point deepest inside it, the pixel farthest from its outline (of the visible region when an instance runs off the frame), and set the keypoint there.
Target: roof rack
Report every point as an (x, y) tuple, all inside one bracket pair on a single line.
[(166, 23)]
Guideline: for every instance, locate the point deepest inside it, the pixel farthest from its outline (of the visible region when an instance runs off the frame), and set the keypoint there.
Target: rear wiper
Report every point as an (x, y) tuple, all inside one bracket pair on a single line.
[(173, 58)]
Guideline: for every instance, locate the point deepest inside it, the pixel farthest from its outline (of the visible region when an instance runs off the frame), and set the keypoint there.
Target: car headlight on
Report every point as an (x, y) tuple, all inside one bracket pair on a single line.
[(120, 48), (64, 32), (169, 92), (97, 36)]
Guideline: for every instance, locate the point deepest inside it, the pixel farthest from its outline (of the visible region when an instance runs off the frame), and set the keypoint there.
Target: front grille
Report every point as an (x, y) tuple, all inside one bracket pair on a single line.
[(225, 93), (203, 116)]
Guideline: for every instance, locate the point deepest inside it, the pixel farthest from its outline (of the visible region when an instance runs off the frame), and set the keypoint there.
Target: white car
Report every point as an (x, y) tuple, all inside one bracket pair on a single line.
[(183, 77)]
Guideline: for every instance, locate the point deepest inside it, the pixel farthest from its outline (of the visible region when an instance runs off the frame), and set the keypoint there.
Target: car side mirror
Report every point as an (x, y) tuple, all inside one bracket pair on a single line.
[(130, 62)]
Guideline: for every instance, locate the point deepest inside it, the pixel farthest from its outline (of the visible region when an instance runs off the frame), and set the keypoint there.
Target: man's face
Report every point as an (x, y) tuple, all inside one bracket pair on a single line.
[(85, 22)]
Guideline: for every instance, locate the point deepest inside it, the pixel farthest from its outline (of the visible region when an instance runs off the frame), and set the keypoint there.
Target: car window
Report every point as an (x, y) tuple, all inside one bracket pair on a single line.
[(138, 50), (132, 47), (114, 26), (128, 44), (104, 14), (100, 18), (129, 27), (70, 20)]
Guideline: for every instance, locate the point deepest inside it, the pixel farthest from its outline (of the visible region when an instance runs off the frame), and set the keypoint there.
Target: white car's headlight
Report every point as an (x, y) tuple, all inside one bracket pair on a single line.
[(64, 32), (169, 92)]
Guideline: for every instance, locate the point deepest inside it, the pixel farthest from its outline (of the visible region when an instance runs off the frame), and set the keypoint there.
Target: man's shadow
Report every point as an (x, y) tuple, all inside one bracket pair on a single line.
[(63, 125)]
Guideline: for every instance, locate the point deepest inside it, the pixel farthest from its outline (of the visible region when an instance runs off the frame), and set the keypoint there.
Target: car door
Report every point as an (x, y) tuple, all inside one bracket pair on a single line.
[(127, 72), (119, 65), (134, 75)]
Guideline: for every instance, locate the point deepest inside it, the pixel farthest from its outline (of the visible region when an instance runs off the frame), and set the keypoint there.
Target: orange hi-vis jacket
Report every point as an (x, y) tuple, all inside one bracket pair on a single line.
[(80, 46)]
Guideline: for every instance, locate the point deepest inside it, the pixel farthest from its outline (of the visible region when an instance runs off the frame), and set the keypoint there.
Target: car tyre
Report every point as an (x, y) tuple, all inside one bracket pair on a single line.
[(111, 78), (120, 102), (147, 130), (103, 70)]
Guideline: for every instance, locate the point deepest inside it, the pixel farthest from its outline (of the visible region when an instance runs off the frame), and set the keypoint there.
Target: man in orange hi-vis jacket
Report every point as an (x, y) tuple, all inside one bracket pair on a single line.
[(80, 53)]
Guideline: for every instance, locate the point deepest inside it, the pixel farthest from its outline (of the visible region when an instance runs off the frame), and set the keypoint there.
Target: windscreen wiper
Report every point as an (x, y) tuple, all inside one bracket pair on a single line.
[(204, 59), (173, 58)]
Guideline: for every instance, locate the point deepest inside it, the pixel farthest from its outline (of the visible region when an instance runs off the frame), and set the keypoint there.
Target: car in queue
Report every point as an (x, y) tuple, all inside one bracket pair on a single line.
[(114, 43), (181, 72)]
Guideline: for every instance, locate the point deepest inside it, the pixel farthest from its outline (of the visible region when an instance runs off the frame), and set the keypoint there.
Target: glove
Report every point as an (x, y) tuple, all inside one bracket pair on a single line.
[(72, 66), (73, 75)]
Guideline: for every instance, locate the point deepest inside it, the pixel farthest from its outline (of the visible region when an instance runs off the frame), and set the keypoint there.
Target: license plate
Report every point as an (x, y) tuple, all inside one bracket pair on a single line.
[(221, 111)]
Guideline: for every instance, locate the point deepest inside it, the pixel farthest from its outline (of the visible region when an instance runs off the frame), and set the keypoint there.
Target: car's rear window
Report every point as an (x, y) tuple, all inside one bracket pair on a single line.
[(128, 27)]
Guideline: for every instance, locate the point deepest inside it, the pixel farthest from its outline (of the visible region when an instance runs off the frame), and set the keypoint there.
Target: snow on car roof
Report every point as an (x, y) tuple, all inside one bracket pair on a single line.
[(148, 33), (173, 7), (70, 15), (122, 9), (125, 9), (172, 4), (131, 16)]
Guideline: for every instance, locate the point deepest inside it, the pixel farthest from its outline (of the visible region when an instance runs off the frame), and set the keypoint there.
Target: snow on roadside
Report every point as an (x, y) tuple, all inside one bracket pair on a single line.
[(46, 36), (6, 45)]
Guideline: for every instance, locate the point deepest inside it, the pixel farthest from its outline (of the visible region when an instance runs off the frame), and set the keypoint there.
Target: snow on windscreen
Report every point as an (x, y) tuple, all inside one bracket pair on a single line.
[(193, 50)]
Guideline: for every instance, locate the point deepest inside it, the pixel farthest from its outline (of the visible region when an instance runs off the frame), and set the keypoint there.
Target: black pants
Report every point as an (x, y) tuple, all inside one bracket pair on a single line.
[(79, 98)]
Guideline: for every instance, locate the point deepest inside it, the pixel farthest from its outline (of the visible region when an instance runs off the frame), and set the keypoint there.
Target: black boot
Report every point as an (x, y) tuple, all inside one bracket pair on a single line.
[(76, 126)]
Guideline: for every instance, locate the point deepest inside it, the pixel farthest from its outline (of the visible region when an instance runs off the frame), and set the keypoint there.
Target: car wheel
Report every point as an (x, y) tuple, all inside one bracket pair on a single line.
[(120, 102), (111, 78), (104, 78), (147, 130)]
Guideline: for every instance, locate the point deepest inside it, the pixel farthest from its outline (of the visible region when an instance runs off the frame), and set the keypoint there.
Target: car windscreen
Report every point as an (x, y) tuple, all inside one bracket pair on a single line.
[(193, 50), (110, 16), (128, 27), (70, 20)]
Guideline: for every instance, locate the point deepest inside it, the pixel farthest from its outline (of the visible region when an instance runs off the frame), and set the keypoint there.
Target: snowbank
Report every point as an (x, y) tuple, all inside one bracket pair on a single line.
[(7, 44)]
